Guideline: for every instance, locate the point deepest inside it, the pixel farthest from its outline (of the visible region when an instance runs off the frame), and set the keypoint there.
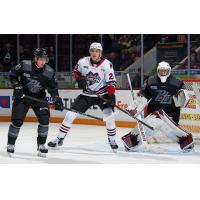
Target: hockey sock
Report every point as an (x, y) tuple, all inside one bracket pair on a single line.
[(13, 134), (63, 131), (110, 124), (111, 133), (42, 133), (66, 124)]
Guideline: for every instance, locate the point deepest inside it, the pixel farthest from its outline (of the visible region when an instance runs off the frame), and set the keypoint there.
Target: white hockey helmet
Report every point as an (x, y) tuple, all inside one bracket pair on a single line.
[(96, 45), (163, 66)]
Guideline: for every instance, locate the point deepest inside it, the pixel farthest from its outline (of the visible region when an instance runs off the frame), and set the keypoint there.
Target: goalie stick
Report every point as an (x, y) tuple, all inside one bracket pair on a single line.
[(124, 111), (140, 126)]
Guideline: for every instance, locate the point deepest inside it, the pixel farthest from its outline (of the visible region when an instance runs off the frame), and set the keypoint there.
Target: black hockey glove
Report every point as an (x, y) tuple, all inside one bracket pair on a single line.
[(57, 101), (111, 101), (18, 92), (81, 82)]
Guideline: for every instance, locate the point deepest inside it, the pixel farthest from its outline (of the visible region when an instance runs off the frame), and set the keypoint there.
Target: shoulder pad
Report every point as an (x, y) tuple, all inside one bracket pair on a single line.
[(48, 72), (82, 60), (151, 80), (26, 65), (176, 82), (107, 64)]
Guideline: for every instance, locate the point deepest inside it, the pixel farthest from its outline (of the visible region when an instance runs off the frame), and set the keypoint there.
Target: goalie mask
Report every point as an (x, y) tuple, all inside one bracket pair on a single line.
[(163, 71)]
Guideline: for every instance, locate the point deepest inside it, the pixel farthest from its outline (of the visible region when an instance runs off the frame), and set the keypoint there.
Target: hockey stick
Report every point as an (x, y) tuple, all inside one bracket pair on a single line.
[(65, 108), (132, 93), (148, 126), (140, 126), (131, 88)]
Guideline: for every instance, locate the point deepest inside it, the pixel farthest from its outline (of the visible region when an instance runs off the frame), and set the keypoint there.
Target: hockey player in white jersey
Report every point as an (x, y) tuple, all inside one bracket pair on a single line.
[(94, 75)]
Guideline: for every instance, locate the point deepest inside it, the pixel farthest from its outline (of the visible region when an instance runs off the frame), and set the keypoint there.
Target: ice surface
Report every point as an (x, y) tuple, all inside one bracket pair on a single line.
[(87, 144)]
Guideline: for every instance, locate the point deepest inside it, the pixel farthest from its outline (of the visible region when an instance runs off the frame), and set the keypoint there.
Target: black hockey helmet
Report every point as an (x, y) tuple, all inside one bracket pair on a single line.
[(40, 53)]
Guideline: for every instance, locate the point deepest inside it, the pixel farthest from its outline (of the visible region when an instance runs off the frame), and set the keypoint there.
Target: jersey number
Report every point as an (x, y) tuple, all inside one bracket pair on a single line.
[(111, 76)]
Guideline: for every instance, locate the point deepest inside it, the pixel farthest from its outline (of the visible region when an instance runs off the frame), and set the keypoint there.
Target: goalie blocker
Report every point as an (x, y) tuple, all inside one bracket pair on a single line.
[(161, 122)]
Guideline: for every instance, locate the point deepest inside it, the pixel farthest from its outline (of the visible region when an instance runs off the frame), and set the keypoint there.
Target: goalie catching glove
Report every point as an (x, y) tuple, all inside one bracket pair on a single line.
[(181, 98)]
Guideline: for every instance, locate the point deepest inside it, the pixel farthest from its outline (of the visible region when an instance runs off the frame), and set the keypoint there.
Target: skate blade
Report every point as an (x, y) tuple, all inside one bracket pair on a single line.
[(42, 155), (114, 150), (54, 148), (11, 155), (126, 149), (188, 150)]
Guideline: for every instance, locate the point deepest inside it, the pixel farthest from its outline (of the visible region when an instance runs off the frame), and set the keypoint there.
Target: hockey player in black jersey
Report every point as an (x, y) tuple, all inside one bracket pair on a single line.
[(161, 88), (32, 78), (167, 96)]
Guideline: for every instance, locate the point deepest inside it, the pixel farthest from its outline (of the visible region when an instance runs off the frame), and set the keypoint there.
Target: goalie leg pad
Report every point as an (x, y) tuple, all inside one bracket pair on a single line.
[(175, 132), (131, 140), (186, 142), (155, 121)]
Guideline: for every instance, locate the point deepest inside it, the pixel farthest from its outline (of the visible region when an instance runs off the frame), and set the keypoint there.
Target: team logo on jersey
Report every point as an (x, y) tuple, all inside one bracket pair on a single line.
[(92, 78), (33, 85), (163, 97)]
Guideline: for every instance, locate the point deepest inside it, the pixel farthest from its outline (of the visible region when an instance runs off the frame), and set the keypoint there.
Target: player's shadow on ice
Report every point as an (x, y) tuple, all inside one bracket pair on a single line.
[(37, 160), (85, 150), (107, 152)]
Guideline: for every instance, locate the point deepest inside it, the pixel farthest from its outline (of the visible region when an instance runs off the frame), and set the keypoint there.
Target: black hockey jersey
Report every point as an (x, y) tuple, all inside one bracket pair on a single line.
[(161, 94), (34, 80)]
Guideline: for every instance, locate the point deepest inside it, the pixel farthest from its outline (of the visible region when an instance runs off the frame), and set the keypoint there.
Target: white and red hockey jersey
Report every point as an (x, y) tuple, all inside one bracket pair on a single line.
[(99, 76)]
